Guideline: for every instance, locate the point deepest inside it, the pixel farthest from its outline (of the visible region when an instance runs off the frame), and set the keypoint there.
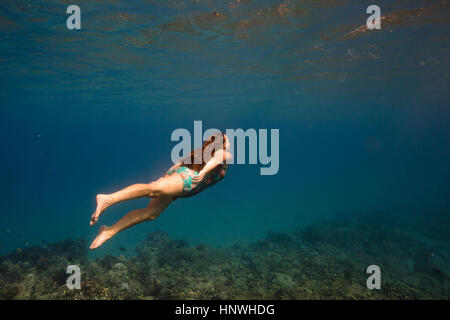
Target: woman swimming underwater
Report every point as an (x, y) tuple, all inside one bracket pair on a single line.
[(185, 178)]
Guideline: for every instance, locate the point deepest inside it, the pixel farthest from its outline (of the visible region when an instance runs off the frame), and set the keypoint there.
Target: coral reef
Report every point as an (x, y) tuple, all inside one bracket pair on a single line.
[(322, 261)]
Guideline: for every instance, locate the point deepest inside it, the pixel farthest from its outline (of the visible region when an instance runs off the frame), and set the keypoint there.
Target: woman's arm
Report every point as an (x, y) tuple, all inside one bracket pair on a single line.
[(187, 159), (219, 158)]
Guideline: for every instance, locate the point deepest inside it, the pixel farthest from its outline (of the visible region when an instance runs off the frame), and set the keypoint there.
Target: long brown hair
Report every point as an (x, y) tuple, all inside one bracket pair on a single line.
[(211, 143)]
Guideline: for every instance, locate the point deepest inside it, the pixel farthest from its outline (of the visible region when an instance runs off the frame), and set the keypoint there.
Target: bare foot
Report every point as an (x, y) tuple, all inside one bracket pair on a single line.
[(103, 202), (103, 235)]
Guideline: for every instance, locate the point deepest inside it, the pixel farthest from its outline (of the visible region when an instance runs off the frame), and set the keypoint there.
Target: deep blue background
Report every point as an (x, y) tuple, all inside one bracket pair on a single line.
[(364, 121)]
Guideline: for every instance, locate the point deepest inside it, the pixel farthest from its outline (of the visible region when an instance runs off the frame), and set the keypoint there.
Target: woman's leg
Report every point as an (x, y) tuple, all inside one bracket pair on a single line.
[(151, 212), (169, 185)]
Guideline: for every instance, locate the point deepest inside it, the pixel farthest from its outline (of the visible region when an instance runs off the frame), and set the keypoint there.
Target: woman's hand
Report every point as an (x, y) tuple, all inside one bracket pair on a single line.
[(196, 179)]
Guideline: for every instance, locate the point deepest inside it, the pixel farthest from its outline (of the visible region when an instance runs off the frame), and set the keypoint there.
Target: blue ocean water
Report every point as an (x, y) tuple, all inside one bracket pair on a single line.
[(363, 115)]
